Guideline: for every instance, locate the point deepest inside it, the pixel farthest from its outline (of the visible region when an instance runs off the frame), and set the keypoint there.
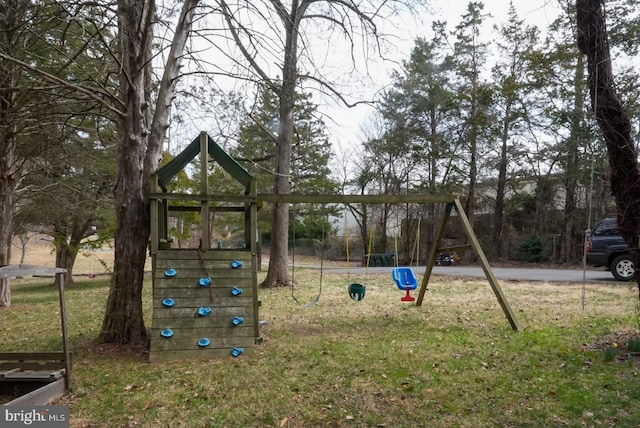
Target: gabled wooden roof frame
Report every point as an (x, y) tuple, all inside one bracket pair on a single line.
[(159, 197)]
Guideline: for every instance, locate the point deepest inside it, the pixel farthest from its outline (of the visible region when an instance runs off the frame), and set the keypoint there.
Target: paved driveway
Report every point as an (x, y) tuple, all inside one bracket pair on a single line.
[(518, 274)]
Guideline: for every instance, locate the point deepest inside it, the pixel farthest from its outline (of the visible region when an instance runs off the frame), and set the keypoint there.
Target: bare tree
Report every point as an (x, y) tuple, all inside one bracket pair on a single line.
[(270, 31), (613, 121)]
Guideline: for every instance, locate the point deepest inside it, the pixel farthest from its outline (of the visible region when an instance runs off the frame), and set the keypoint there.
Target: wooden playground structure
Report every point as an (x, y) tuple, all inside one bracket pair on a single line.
[(205, 299)]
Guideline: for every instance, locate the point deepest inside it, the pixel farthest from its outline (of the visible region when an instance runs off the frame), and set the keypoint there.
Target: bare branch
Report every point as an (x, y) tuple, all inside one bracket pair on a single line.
[(166, 91), (228, 18), (255, 160), (266, 130), (106, 99), (282, 11), (334, 91)]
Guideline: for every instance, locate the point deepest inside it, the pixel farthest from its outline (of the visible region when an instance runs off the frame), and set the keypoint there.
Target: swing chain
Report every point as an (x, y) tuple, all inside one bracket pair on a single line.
[(293, 267)]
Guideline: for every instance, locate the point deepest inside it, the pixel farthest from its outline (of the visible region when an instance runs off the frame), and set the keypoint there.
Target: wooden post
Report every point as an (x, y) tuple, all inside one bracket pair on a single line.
[(154, 218), (475, 245), (251, 236), (434, 253), (493, 281), (204, 191), (65, 338)]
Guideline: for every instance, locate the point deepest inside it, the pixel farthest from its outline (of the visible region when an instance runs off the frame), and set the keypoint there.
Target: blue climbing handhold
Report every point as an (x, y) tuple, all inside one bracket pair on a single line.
[(204, 342), (236, 352), (170, 273), (236, 291), (235, 264), (205, 281), (168, 302), (237, 320), (204, 311), (167, 333)]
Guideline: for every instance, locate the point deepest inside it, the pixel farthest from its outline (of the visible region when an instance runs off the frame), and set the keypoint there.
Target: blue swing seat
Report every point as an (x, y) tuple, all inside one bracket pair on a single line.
[(405, 278)]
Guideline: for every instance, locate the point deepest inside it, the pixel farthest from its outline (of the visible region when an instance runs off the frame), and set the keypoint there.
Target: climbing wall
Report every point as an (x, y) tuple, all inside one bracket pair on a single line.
[(204, 304)]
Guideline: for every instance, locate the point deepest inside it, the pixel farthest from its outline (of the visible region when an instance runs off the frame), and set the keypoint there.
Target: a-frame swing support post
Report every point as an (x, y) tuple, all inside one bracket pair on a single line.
[(475, 245)]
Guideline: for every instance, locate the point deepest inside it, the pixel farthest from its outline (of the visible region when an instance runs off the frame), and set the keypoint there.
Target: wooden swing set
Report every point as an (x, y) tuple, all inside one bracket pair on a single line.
[(191, 263), (451, 203)]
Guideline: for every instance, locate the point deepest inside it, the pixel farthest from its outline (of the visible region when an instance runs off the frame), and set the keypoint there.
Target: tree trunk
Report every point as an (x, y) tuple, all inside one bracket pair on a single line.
[(7, 198), (65, 259), (613, 121), (498, 211), (9, 172), (470, 207), (123, 321), (568, 248), (278, 273), (140, 138), (67, 252)]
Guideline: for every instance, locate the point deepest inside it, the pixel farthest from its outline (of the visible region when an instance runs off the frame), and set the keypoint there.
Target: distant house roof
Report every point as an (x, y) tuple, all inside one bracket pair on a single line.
[(224, 159)]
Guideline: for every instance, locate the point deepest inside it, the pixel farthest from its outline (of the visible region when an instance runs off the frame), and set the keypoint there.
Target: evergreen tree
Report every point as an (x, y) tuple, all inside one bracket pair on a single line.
[(40, 124), (421, 111), (566, 137), (467, 60), (311, 154), (516, 48)]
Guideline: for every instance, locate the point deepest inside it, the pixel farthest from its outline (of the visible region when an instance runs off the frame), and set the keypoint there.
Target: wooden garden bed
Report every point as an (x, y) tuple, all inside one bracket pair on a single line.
[(32, 378)]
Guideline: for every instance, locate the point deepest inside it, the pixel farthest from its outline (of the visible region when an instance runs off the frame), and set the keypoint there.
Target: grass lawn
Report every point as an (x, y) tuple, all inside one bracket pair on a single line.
[(454, 362)]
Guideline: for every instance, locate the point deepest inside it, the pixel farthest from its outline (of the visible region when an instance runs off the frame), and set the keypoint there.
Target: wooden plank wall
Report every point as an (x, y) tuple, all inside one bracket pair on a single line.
[(188, 327)]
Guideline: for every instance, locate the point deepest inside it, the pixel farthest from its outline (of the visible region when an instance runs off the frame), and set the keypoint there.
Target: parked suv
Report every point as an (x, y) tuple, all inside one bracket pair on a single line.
[(606, 248)]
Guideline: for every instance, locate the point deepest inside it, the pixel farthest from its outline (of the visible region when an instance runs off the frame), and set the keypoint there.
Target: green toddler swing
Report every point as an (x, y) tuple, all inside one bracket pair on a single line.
[(356, 290)]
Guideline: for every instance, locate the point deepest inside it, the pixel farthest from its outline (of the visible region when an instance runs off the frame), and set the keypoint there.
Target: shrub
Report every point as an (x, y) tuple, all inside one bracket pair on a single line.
[(530, 250)]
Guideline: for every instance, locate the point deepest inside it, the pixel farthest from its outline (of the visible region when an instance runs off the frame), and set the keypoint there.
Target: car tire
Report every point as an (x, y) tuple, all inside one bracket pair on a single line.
[(622, 268)]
